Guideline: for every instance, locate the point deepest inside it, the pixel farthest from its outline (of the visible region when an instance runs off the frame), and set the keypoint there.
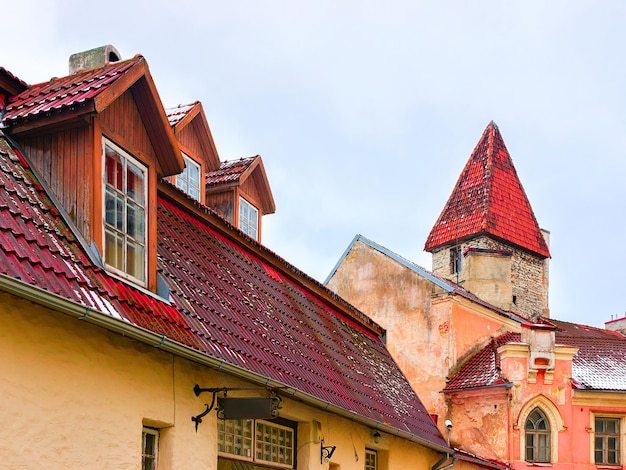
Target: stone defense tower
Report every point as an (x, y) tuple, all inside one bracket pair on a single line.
[(487, 238)]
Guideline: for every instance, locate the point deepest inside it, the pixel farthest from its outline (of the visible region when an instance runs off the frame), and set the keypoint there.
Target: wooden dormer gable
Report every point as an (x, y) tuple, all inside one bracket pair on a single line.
[(240, 183), (191, 128), (10, 85), (100, 139), (72, 101)]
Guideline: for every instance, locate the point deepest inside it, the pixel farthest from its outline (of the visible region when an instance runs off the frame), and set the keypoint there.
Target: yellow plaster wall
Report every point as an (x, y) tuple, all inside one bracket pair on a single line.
[(75, 396)]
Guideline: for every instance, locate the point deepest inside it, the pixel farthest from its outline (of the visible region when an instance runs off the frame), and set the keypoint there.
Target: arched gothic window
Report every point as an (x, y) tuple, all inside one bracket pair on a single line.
[(537, 429)]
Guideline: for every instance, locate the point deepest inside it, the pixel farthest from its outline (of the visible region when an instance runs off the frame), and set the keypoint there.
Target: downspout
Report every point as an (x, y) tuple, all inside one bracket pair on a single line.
[(446, 456), (442, 460)]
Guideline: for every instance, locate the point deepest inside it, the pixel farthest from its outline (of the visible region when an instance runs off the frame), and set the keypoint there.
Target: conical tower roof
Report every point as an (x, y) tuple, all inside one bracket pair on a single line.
[(488, 199)]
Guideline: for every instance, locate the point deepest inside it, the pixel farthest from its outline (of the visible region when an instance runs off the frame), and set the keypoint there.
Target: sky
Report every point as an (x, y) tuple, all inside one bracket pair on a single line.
[(365, 112)]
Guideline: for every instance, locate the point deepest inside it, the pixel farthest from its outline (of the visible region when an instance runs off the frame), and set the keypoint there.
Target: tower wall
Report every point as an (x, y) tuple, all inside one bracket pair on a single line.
[(528, 277)]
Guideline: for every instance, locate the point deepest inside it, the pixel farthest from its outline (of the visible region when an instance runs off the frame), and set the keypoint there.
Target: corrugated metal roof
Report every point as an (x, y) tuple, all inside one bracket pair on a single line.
[(227, 303), (66, 92), (489, 199)]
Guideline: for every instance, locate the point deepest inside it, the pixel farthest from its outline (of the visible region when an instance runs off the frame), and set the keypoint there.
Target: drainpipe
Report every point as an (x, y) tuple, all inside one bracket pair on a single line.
[(446, 456), (442, 460)]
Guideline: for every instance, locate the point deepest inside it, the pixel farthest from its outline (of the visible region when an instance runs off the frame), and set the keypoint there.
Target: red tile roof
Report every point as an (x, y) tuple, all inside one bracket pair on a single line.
[(64, 93), (230, 171), (178, 113), (600, 363), (489, 199), (483, 368), (227, 302)]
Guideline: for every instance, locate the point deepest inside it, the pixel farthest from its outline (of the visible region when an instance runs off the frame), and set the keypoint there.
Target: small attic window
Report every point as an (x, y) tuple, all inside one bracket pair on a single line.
[(248, 218), (189, 179), (125, 197)]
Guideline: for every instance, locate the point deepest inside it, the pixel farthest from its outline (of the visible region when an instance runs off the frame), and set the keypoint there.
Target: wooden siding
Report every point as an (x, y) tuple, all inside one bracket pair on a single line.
[(187, 138), (64, 161), (122, 123), (223, 203), (250, 190)]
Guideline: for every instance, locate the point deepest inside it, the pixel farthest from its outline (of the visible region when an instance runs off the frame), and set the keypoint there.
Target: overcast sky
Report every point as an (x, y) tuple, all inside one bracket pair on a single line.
[(366, 112)]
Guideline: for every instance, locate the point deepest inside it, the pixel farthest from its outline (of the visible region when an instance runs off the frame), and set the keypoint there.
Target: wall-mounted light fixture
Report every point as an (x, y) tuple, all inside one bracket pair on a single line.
[(326, 452), (376, 437)]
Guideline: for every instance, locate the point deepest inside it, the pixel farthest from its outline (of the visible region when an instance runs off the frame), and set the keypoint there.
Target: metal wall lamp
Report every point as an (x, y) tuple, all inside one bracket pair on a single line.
[(326, 452)]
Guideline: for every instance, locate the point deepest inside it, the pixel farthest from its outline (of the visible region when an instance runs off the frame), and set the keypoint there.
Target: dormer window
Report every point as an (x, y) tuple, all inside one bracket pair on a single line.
[(125, 196), (248, 218), (189, 179)]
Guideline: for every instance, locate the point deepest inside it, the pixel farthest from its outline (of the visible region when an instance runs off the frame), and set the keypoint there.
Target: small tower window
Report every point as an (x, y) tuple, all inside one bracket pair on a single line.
[(248, 218), (456, 259)]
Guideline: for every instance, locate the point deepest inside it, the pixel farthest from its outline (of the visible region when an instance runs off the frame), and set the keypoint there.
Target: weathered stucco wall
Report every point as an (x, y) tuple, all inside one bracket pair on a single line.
[(400, 301), (76, 396)]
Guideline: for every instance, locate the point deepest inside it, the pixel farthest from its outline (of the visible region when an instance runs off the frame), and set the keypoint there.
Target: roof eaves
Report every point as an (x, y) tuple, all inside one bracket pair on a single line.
[(506, 385), (102, 319)]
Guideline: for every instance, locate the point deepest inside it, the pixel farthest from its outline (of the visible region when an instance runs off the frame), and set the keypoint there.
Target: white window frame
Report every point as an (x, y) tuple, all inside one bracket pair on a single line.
[(247, 224), (155, 455), (621, 439), (129, 158), (369, 455), (183, 180), (256, 445)]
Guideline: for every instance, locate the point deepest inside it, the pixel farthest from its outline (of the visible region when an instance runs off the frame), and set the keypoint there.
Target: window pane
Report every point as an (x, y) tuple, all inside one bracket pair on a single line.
[(135, 221), (114, 169), (114, 208), (134, 183), (135, 260), (114, 249)]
